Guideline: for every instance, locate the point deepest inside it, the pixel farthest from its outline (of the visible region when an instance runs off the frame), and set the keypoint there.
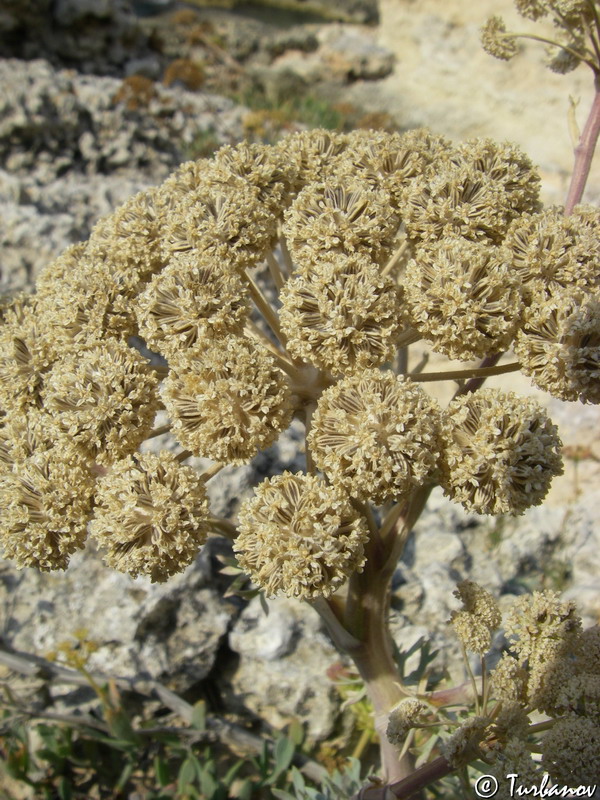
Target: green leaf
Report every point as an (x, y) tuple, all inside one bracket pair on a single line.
[(281, 795), (295, 732), (198, 720), (162, 772), (64, 789), (124, 776), (283, 754), (187, 774)]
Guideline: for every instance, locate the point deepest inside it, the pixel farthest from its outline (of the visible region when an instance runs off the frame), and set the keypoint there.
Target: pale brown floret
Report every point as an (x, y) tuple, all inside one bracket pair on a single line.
[(404, 716), (514, 756), (26, 354), (104, 397), (375, 434), (150, 515), (459, 200), (464, 745), (313, 154), (551, 252), (227, 399), (265, 168), (227, 222), (51, 277), (390, 161), (463, 298), (343, 316), (559, 345), (22, 435), (571, 751), (188, 177), (507, 166), (191, 298), (479, 617), (580, 696), (496, 42), (46, 499), (509, 680), (500, 453), (300, 536), (339, 217), (129, 240)]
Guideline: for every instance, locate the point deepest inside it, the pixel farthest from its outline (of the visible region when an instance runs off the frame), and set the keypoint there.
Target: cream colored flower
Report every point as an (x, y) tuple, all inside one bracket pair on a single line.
[(46, 499), (300, 536), (559, 345), (463, 298), (335, 217), (571, 751), (501, 452), (480, 616), (227, 399), (404, 716), (375, 434), (343, 316), (104, 398), (496, 41), (150, 515), (191, 298)]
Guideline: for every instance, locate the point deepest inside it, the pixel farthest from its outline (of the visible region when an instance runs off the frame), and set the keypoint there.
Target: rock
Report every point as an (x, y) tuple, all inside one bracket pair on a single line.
[(281, 674), (355, 54)]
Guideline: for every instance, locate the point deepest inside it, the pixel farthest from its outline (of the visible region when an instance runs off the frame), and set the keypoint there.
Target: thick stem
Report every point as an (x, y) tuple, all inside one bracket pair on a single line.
[(408, 787), (584, 153)]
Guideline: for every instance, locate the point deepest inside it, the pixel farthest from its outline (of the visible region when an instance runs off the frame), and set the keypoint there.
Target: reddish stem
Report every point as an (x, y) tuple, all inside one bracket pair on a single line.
[(584, 153)]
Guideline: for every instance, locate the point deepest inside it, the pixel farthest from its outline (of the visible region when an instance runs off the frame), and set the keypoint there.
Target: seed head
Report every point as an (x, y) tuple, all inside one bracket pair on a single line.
[(496, 41), (343, 316), (559, 344), (227, 399), (300, 536), (150, 515), (375, 434), (501, 452), (344, 218), (193, 297), (46, 499), (403, 717), (462, 297), (104, 398)]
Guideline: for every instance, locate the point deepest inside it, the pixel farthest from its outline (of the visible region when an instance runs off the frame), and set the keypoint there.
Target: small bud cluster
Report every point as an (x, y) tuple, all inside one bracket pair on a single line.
[(577, 27), (372, 241), (552, 667)]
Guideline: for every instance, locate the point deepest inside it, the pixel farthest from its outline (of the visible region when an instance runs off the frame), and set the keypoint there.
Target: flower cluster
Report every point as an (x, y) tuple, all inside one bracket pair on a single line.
[(274, 282)]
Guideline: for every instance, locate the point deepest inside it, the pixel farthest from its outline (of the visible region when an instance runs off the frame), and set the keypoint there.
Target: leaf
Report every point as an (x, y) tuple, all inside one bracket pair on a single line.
[(162, 772), (281, 795), (283, 754), (187, 774), (198, 719), (64, 789)]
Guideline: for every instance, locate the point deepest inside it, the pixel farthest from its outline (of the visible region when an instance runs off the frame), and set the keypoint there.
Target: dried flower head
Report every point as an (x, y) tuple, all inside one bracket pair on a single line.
[(267, 169), (25, 355), (150, 515), (462, 297), (464, 745), (479, 617), (509, 680), (580, 696), (542, 626), (571, 751), (300, 536), (46, 500), (514, 757), (500, 452), (375, 434), (227, 399), (551, 252), (457, 200), (129, 240), (344, 218), (104, 397), (404, 716), (312, 154), (50, 279), (559, 345), (191, 298), (496, 41), (390, 161), (343, 316), (507, 166), (228, 222)]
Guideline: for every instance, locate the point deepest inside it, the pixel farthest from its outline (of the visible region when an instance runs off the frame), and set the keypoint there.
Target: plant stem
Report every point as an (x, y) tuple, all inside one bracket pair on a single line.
[(476, 372), (584, 153)]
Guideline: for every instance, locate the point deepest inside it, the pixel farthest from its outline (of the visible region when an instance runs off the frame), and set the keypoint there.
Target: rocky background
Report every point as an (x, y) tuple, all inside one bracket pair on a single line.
[(102, 98)]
